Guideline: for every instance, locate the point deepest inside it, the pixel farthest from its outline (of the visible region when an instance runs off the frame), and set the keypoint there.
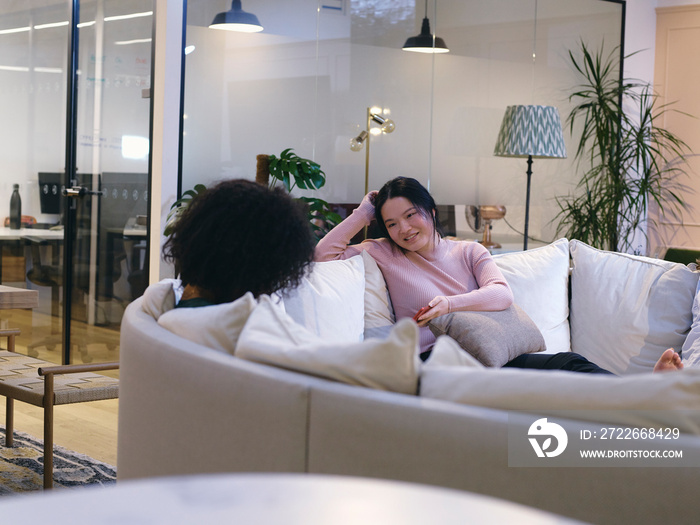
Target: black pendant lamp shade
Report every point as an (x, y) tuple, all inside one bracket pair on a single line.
[(425, 42), (236, 20)]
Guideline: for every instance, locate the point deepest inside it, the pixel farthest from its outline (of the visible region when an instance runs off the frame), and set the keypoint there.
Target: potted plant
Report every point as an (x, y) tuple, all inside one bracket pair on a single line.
[(291, 171), (630, 161), (179, 206)]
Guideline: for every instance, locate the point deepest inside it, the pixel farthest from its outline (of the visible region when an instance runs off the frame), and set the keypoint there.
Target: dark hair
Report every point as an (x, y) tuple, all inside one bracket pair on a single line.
[(239, 237), (412, 190)]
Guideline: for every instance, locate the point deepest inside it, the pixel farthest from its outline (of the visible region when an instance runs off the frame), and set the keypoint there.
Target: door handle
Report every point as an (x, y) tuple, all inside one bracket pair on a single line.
[(80, 191)]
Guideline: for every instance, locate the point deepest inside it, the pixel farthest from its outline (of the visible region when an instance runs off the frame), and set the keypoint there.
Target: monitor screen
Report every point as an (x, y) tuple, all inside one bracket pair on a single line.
[(125, 195), (50, 186)]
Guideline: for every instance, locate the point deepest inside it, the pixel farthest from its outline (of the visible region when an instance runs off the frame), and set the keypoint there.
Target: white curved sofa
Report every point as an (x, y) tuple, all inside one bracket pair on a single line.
[(189, 408)]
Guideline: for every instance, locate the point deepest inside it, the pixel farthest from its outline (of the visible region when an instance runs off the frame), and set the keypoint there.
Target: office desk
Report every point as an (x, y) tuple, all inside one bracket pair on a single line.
[(11, 297), (131, 235), (8, 235)]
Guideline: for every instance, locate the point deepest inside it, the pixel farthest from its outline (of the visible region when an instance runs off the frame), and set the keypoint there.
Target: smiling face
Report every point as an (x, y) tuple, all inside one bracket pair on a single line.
[(408, 226)]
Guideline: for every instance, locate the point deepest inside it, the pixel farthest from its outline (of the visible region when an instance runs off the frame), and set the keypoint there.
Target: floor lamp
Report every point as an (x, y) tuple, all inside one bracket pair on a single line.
[(386, 125), (527, 132)]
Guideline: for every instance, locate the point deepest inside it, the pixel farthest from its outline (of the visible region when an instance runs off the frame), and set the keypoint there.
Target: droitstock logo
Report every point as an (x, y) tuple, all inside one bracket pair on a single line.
[(541, 433)]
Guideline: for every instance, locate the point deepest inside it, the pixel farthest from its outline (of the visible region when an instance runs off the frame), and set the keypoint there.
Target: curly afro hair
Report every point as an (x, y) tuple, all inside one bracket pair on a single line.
[(239, 237)]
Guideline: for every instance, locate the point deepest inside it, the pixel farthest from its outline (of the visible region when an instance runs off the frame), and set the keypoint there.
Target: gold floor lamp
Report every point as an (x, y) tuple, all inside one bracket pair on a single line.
[(386, 125)]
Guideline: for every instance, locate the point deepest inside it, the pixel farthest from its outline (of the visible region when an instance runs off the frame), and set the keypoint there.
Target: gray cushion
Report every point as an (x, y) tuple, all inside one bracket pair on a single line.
[(494, 338)]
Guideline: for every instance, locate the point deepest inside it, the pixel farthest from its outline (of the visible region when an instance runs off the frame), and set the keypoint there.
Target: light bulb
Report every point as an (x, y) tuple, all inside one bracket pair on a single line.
[(358, 142), (388, 126)]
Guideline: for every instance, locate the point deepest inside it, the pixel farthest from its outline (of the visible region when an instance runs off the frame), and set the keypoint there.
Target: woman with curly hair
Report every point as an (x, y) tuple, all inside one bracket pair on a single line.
[(239, 237)]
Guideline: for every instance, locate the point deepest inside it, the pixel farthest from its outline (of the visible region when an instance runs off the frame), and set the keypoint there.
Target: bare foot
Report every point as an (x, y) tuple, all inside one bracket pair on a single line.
[(668, 361)]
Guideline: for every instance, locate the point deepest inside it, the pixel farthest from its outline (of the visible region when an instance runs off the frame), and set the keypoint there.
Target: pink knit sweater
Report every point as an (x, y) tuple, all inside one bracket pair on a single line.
[(462, 271)]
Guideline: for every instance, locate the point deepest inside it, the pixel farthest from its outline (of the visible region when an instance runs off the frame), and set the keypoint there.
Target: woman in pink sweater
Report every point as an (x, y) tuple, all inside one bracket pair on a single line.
[(422, 269)]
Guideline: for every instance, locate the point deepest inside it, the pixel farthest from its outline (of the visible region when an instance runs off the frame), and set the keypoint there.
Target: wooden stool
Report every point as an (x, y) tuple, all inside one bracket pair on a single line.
[(33, 381)]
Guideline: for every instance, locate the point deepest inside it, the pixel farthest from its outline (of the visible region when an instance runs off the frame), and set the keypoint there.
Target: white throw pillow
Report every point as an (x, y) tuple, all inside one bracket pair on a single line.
[(217, 326), (539, 279), (378, 309), (160, 297), (626, 309), (271, 337), (691, 345), (667, 399), (330, 300)]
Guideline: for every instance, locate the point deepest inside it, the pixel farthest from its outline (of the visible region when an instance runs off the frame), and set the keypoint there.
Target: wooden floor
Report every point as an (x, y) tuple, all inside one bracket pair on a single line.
[(87, 428)]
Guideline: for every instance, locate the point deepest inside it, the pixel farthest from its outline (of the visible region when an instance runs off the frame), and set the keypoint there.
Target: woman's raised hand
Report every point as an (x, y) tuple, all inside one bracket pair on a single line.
[(368, 200)]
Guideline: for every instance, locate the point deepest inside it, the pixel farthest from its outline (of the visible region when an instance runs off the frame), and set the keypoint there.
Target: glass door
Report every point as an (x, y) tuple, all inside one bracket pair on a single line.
[(109, 206), (75, 84), (34, 40)]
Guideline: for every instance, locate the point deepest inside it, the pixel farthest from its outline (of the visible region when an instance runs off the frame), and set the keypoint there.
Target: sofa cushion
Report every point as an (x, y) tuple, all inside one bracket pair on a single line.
[(272, 337), (690, 352), (493, 338), (626, 310), (659, 400), (330, 300), (539, 279), (217, 326), (160, 297), (447, 352), (378, 309)]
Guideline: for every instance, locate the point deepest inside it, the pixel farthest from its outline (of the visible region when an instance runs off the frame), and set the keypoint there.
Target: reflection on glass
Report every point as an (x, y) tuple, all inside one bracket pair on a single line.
[(113, 121), (303, 81)]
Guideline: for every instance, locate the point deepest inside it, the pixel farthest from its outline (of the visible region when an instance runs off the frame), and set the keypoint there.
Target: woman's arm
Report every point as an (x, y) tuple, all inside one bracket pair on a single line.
[(335, 245), (493, 293)]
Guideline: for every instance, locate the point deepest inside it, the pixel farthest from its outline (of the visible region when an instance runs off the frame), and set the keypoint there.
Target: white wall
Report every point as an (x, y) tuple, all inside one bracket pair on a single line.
[(261, 93)]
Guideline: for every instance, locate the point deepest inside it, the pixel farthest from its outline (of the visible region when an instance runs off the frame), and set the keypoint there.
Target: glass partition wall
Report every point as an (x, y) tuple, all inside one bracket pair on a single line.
[(86, 254), (308, 78)]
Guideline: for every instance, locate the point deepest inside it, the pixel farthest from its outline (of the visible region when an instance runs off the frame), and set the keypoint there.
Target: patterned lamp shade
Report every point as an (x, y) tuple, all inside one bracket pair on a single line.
[(531, 131)]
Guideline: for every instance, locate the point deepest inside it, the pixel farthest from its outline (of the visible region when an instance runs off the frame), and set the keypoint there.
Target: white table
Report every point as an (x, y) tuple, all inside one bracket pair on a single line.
[(287, 499), (7, 234)]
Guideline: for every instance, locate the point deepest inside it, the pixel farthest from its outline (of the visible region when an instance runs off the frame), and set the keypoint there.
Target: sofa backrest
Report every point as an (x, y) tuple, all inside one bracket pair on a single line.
[(626, 309), (169, 385)]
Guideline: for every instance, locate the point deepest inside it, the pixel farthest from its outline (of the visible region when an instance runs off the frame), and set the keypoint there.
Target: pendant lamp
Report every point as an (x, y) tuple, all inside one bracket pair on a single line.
[(236, 20), (426, 42)]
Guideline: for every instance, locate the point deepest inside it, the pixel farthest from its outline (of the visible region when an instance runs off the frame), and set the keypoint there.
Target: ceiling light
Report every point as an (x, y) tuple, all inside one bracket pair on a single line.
[(426, 42), (236, 20)]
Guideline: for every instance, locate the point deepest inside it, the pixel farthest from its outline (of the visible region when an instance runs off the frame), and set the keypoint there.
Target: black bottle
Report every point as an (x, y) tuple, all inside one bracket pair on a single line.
[(15, 209)]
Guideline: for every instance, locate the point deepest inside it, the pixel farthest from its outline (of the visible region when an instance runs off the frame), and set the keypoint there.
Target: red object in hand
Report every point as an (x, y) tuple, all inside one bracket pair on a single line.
[(420, 312)]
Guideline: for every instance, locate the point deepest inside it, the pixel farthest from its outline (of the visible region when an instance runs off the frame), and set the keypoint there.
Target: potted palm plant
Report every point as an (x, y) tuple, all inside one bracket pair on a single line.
[(629, 161)]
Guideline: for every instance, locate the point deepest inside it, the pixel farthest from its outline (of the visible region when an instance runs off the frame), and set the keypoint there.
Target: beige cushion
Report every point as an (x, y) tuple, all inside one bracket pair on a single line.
[(330, 300), (493, 338), (539, 279), (378, 309), (160, 297), (216, 326), (691, 345), (271, 337), (626, 310), (659, 400)]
